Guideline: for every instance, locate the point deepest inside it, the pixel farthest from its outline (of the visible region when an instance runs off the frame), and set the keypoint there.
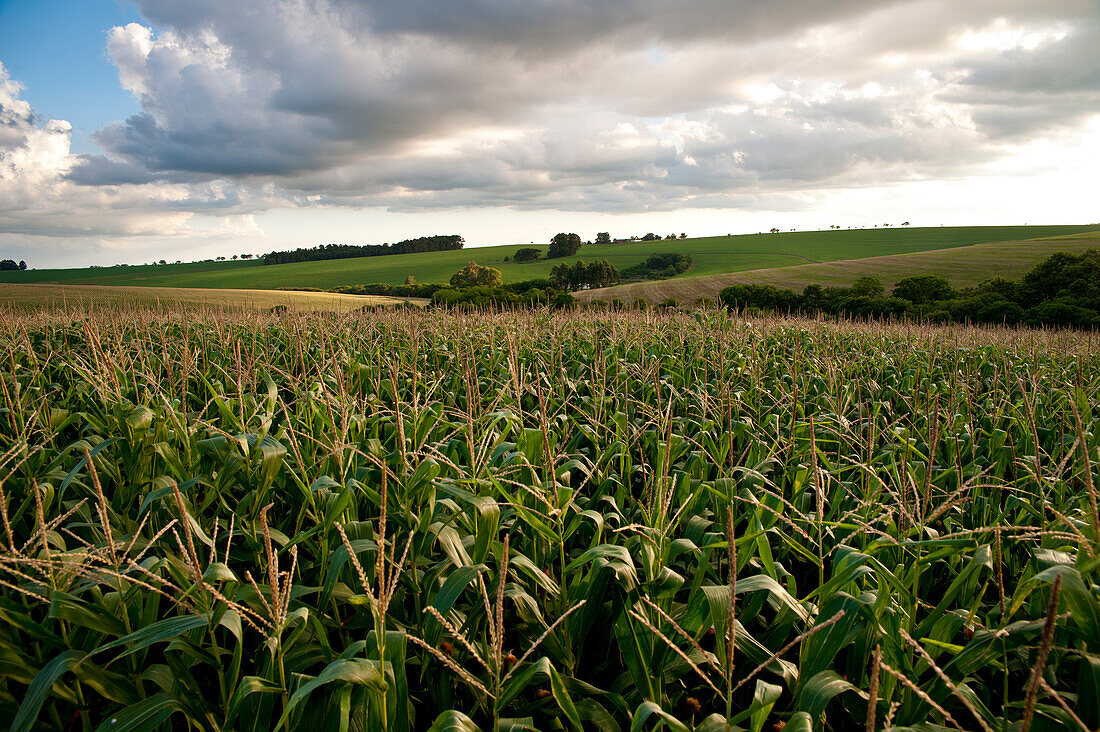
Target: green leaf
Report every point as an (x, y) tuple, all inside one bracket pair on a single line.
[(649, 709), (350, 670), (799, 722), (814, 696), (763, 699), (146, 714), (249, 685), (452, 721), (43, 681), (456, 582), (158, 632)]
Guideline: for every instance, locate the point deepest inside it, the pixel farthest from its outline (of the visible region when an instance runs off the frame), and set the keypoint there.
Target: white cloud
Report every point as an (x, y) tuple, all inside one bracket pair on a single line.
[(44, 211), (586, 105)]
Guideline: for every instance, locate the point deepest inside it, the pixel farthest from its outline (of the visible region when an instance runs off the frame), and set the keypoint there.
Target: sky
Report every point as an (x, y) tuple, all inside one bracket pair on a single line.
[(187, 129)]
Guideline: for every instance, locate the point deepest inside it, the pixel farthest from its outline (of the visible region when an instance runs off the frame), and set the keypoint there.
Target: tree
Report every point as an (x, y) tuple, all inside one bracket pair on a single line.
[(410, 281), (474, 275), (22, 264), (868, 287), (581, 275), (561, 276), (923, 289), (527, 254), (8, 264), (774, 230), (603, 238), (564, 245), (683, 236)]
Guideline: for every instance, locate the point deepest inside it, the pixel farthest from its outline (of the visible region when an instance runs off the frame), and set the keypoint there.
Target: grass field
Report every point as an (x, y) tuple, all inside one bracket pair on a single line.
[(76, 296), (962, 266), (711, 255), (531, 521)]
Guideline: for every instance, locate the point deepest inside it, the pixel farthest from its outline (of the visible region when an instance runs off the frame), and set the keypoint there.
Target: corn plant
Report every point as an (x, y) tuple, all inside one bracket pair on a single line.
[(533, 520)]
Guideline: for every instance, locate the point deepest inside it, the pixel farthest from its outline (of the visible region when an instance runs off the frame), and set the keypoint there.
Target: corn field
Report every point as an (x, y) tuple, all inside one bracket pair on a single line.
[(536, 521)]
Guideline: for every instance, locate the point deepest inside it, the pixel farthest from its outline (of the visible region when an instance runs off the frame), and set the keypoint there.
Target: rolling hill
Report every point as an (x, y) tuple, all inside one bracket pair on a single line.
[(718, 255), (961, 266)]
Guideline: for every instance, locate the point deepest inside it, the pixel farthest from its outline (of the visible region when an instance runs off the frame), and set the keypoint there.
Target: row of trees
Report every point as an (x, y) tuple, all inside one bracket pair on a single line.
[(1064, 290), (583, 276), (438, 243), (605, 238), (8, 265)]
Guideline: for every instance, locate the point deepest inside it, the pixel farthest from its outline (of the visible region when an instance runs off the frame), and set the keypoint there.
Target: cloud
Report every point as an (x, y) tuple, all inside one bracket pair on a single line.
[(52, 200), (588, 105), (475, 102)]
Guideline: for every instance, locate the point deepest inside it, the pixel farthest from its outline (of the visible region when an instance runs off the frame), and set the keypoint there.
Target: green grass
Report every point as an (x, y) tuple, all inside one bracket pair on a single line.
[(35, 296), (711, 255), (231, 521), (962, 266)]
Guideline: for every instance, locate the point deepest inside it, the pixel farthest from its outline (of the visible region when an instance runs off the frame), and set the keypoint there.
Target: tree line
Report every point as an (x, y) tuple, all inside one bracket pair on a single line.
[(437, 243), (1064, 290), (9, 265)]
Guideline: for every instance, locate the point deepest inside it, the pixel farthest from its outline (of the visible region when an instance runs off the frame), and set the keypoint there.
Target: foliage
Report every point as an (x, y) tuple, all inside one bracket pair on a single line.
[(658, 266), (527, 254), (1064, 291), (438, 243), (603, 237), (517, 520), (923, 289), (582, 276), (10, 265), (381, 288), (474, 275), (564, 245), (501, 297)]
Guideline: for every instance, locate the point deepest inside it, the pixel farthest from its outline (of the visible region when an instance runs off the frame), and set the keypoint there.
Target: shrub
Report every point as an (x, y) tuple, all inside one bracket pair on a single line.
[(527, 254)]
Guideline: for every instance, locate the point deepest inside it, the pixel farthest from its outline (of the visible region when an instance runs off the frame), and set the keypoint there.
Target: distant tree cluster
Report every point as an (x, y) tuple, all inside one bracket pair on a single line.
[(525, 294), (564, 245), (474, 275), (527, 254), (1064, 290), (647, 237), (8, 265), (439, 243), (658, 266), (583, 276)]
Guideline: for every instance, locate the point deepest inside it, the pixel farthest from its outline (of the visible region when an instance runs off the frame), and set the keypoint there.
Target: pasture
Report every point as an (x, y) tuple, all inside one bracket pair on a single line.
[(710, 255), (410, 520), (962, 266)]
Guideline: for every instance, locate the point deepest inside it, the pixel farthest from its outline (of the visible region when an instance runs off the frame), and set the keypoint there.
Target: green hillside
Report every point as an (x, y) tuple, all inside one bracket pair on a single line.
[(961, 266), (711, 255)]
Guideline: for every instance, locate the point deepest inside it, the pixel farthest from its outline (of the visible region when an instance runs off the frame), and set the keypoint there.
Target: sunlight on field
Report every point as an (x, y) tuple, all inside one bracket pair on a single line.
[(962, 266), (37, 296)]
